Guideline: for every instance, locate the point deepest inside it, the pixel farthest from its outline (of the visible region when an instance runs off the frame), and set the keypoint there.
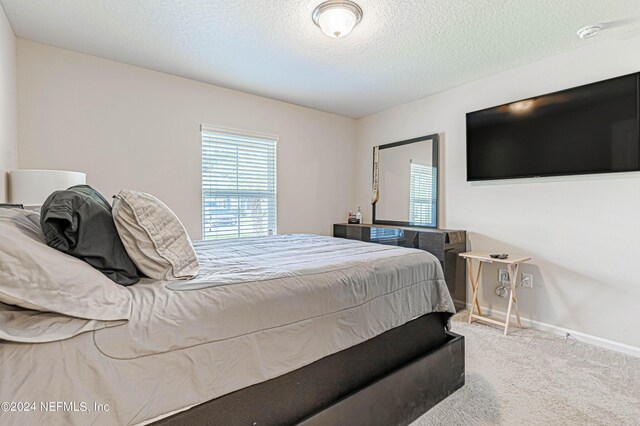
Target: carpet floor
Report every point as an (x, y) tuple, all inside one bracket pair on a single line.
[(534, 378)]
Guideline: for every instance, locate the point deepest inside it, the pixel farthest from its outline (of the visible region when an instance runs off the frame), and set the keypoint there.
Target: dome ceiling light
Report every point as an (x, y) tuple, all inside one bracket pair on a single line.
[(337, 18)]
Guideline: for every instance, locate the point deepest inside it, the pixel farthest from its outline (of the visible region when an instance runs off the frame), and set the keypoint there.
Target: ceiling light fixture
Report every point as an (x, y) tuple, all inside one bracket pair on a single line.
[(337, 18), (589, 31)]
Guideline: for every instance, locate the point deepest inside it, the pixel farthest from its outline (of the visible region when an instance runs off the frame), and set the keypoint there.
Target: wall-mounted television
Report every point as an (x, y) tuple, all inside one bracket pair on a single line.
[(583, 130)]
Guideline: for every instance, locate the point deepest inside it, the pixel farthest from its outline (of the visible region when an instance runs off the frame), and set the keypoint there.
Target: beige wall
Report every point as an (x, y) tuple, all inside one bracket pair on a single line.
[(129, 127), (583, 232), (8, 103)]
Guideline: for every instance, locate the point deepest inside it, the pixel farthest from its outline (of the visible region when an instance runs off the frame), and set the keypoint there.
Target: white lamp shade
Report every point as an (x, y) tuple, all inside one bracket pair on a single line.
[(32, 187)]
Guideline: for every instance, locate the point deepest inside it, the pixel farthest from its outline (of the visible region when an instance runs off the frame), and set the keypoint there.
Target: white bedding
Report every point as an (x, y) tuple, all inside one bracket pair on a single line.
[(259, 309)]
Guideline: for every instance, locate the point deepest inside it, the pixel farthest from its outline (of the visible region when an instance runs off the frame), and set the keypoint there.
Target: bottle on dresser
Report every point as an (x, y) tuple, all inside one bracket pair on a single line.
[(352, 217)]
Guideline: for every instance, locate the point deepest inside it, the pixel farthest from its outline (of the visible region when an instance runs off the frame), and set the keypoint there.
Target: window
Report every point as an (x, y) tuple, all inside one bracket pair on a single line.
[(238, 184), (422, 205)]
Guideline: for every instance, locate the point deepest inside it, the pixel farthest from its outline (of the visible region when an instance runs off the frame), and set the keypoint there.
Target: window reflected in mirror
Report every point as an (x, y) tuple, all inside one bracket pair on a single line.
[(407, 183)]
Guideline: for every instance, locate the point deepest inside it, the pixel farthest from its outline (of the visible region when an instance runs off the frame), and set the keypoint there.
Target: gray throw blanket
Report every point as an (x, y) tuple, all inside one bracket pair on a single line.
[(78, 222)]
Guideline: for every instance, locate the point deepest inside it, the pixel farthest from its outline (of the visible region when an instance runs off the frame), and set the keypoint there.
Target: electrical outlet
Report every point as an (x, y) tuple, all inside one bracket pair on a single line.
[(503, 276), (527, 280)]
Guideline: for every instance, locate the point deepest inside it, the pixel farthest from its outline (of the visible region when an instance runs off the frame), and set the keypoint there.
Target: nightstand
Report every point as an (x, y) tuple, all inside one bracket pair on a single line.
[(512, 263)]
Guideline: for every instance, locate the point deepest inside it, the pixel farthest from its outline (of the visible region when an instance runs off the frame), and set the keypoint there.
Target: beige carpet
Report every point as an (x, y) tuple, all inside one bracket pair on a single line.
[(535, 378)]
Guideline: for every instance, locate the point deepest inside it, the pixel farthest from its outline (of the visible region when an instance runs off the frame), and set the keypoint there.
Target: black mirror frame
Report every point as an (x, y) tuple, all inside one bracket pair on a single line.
[(435, 155)]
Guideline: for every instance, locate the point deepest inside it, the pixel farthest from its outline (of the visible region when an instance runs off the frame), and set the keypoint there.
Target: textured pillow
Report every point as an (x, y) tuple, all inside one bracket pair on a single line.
[(78, 222), (154, 237), (38, 277)]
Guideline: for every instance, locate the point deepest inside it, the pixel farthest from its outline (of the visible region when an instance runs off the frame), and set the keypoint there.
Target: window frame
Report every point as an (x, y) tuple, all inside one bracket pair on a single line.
[(416, 201), (230, 132)]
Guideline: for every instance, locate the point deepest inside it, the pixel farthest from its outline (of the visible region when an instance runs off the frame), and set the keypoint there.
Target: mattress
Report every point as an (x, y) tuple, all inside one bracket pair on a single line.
[(260, 308)]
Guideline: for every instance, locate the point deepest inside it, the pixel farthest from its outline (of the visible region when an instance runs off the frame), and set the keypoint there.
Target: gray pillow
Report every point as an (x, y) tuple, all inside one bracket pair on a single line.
[(78, 222)]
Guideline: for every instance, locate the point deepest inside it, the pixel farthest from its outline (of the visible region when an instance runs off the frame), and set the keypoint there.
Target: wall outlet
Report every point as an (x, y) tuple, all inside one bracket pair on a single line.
[(527, 280), (503, 276)]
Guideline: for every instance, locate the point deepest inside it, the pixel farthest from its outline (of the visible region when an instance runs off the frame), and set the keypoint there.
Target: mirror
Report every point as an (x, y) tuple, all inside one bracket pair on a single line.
[(405, 183)]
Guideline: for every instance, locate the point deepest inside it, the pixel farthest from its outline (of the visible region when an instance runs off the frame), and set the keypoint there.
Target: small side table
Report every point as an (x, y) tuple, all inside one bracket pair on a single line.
[(512, 263)]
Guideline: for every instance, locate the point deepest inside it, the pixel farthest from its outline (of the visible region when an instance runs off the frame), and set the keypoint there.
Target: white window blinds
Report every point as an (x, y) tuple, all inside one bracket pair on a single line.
[(422, 204), (238, 184)]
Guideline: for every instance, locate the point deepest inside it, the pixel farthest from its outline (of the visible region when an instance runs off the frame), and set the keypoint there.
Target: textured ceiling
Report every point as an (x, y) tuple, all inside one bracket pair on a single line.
[(401, 51)]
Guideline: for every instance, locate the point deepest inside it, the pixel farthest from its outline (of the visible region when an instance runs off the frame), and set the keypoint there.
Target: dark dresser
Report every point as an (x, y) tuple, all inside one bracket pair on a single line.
[(444, 244)]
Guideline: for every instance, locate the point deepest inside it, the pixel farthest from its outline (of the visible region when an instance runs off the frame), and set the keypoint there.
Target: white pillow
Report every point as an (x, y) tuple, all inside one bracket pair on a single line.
[(38, 277), (154, 237)]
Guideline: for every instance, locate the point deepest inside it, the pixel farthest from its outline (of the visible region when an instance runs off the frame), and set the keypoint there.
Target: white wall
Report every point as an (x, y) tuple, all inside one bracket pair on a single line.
[(8, 103), (129, 127), (583, 232)]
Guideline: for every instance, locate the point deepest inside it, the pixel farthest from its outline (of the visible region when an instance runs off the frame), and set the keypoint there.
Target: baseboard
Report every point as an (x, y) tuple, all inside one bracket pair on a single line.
[(561, 331)]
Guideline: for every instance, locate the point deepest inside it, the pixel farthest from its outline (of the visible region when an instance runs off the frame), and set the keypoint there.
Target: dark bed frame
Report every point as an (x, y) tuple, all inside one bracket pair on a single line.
[(391, 379)]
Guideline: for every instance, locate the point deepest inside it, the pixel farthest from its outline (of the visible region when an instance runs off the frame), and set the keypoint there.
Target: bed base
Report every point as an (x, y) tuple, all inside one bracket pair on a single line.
[(391, 379), (404, 395)]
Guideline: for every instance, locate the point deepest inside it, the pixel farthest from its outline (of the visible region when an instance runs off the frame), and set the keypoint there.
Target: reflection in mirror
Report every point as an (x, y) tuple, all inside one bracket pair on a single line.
[(406, 183)]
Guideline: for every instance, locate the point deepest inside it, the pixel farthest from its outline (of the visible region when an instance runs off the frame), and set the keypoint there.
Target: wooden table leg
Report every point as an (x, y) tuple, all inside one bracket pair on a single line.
[(473, 287), (513, 276), (478, 280), (475, 284), (513, 292)]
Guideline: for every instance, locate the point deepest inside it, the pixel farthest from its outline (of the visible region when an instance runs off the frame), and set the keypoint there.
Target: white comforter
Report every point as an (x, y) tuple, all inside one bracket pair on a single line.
[(259, 308)]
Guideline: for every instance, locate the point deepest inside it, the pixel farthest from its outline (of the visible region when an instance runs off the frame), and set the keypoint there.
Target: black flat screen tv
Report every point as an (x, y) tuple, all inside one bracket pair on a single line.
[(584, 130)]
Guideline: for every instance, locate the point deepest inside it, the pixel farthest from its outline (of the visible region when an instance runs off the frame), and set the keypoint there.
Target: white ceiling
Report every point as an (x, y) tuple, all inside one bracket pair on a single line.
[(401, 51)]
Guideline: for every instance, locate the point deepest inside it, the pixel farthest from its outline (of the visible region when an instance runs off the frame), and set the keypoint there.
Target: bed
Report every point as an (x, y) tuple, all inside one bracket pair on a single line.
[(288, 329)]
